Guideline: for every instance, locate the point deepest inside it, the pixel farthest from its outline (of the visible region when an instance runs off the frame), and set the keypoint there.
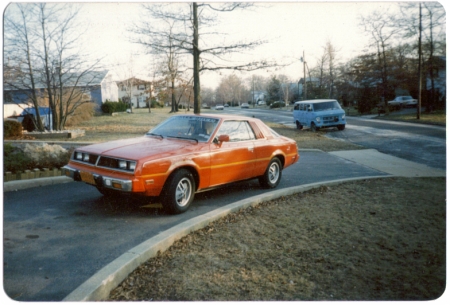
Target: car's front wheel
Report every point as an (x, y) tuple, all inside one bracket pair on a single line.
[(341, 127), (178, 192), (272, 175), (313, 127)]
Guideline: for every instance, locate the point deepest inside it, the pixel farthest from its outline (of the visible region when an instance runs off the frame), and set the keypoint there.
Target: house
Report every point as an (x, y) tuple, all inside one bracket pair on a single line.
[(136, 91), (258, 96), (97, 86), (440, 70)]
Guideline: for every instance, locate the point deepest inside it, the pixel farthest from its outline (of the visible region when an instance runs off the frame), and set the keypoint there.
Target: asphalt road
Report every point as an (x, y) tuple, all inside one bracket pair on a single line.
[(424, 144), (56, 237)]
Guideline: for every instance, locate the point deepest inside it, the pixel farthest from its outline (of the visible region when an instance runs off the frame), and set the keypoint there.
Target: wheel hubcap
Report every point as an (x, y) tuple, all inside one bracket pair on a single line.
[(274, 172), (183, 192)]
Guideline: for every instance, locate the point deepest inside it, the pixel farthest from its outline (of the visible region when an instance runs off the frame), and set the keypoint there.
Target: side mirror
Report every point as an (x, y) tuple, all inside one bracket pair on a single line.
[(221, 138)]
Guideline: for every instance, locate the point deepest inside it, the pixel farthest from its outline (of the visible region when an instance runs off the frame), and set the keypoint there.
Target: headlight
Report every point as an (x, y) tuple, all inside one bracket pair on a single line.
[(122, 164), (86, 157), (343, 116), (132, 165), (318, 119), (78, 155)]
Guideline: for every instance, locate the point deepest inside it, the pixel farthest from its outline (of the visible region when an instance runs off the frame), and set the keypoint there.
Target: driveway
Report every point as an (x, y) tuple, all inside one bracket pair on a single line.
[(56, 237)]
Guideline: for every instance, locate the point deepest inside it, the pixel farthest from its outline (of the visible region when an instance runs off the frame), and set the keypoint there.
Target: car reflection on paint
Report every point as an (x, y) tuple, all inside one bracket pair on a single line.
[(184, 155)]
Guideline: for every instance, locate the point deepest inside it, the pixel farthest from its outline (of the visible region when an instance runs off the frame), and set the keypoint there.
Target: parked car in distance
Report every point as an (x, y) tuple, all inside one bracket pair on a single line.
[(261, 103), (245, 105), (219, 107), (317, 114), (403, 101), (184, 155)]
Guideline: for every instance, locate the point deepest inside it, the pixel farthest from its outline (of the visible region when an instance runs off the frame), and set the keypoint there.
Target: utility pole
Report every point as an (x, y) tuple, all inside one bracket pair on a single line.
[(302, 59), (419, 98)]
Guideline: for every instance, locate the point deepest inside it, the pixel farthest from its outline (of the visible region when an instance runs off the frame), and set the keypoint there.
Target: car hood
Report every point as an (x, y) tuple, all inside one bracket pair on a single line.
[(141, 148)]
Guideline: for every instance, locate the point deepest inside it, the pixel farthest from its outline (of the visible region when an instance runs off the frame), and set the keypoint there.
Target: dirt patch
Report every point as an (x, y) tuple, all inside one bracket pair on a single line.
[(307, 139), (371, 240)]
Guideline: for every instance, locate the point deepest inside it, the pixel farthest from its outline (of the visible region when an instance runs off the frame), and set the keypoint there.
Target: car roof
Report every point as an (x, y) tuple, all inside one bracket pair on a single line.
[(316, 101)]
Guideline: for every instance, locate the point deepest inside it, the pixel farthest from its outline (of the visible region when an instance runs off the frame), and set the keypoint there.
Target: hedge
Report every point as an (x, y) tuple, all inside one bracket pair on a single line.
[(12, 129), (110, 107)]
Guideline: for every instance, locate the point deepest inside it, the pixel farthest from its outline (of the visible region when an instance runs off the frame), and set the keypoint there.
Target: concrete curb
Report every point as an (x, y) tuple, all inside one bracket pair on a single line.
[(99, 286), (24, 184)]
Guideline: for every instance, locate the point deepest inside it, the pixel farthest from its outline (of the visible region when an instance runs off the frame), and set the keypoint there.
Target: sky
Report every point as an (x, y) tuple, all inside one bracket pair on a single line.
[(292, 29)]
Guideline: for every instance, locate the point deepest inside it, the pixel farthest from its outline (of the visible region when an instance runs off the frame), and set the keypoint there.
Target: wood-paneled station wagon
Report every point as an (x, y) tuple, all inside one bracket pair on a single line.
[(183, 155)]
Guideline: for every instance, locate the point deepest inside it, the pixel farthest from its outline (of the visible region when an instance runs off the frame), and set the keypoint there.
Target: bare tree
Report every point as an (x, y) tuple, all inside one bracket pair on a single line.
[(331, 54), (424, 22), (230, 89), (379, 25), (21, 64), (161, 35), (183, 37), (52, 67), (285, 88)]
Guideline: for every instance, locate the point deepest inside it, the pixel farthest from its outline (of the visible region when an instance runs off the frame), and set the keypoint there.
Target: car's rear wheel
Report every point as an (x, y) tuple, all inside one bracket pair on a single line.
[(299, 126), (178, 192), (272, 175)]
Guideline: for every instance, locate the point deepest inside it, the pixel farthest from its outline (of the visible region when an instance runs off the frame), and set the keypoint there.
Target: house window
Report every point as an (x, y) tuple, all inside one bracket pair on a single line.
[(123, 88), (141, 87)]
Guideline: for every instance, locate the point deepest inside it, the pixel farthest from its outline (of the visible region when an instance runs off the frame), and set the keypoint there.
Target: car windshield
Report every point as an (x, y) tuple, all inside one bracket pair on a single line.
[(194, 128), (327, 106)]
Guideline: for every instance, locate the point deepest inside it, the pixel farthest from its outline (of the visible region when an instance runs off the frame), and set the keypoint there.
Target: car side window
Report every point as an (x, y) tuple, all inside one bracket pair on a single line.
[(296, 107), (237, 131)]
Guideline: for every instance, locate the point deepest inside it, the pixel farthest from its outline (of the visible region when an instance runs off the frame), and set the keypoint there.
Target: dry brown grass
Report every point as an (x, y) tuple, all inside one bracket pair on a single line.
[(373, 240)]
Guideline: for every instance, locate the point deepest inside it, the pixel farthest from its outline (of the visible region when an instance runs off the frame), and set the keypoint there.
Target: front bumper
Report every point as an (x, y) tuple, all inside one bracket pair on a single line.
[(99, 180)]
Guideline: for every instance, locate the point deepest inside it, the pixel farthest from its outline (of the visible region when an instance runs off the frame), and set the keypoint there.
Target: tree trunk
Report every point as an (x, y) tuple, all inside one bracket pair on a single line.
[(196, 53)]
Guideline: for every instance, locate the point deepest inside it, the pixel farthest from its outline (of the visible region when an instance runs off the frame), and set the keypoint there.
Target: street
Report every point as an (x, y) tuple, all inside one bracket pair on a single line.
[(425, 144)]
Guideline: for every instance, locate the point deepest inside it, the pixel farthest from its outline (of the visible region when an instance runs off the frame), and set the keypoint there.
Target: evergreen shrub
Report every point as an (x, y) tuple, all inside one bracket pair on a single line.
[(12, 129)]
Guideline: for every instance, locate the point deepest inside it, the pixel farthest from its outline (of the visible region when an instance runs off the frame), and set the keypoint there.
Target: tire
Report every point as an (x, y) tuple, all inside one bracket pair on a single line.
[(272, 175), (299, 126), (178, 192), (341, 127), (313, 127)]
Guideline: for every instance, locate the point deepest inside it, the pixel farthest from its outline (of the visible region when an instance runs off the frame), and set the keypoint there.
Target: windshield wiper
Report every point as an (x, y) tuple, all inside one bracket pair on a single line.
[(184, 138), (154, 134)]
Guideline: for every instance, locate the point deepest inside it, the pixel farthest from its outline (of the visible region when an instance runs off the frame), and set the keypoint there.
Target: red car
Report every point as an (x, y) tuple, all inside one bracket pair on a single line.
[(183, 155)]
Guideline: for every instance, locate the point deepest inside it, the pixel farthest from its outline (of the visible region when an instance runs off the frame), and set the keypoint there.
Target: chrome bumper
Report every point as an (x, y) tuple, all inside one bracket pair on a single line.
[(100, 181)]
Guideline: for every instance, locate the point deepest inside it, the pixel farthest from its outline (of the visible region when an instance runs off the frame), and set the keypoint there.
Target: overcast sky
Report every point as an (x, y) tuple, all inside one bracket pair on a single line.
[(291, 28)]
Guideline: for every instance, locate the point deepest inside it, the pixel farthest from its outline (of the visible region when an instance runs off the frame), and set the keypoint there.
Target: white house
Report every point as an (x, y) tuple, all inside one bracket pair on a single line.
[(135, 90)]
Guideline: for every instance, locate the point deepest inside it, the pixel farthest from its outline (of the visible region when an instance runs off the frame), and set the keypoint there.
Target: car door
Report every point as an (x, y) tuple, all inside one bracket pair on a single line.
[(233, 160)]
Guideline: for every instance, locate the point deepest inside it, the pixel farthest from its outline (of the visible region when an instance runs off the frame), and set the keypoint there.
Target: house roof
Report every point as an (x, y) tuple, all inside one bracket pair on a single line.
[(75, 79), (134, 81)]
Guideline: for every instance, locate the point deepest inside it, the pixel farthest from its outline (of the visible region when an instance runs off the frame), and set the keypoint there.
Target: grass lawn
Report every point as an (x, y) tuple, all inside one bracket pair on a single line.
[(435, 118)]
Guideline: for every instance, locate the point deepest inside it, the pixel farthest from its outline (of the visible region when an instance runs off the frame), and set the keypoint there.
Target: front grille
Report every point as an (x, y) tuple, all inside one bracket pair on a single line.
[(330, 119), (119, 164), (108, 162)]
